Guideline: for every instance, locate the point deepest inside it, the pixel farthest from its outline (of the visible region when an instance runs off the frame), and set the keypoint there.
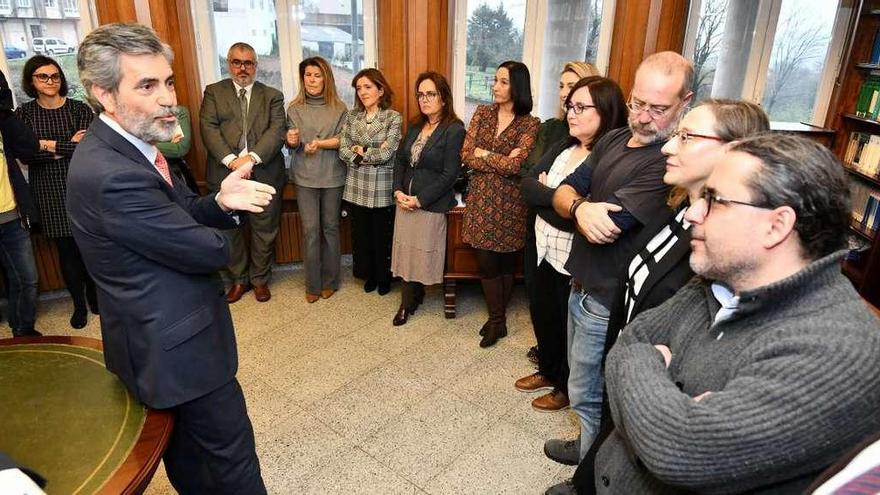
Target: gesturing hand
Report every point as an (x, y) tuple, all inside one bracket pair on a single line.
[(594, 222), (239, 193)]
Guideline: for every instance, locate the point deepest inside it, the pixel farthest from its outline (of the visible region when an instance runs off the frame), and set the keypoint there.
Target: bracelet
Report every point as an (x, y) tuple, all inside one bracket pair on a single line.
[(575, 204)]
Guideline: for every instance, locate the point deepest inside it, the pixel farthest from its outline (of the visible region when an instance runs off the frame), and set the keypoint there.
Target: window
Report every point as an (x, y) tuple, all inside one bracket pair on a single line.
[(49, 3), (782, 54), (26, 34), (301, 29), (543, 34), (221, 5), (24, 4), (5, 5)]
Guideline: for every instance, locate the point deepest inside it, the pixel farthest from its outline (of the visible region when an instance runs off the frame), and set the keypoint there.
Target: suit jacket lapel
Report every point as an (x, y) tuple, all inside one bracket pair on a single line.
[(433, 138), (256, 101), (124, 147)]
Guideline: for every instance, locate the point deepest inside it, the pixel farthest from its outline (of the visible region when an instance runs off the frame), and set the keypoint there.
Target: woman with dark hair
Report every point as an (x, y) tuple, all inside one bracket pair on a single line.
[(314, 121), (594, 106), (499, 138), (427, 165), (367, 145), (59, 123)]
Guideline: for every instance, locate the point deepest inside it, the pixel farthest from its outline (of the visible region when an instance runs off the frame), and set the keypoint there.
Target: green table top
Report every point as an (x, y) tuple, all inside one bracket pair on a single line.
[(65, 416)]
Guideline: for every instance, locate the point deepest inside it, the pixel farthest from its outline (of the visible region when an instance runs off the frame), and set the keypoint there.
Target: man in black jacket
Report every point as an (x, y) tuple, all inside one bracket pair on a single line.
[(17, 212)]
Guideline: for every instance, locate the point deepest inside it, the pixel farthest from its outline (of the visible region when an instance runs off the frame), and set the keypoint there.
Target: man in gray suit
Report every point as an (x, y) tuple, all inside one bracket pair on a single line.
[(242, 121)]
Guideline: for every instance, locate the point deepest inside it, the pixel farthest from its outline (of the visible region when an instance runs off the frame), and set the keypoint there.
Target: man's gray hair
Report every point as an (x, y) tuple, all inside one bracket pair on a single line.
[(98, 59), (241, 45)]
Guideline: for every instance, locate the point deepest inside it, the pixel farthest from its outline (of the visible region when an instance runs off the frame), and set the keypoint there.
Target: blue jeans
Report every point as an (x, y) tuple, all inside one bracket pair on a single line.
[(587, 326), (17, 257)]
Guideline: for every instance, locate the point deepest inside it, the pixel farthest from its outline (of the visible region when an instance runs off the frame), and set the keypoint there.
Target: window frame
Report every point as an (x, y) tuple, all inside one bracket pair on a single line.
[(289, 42), (758, 65), (534, 31)]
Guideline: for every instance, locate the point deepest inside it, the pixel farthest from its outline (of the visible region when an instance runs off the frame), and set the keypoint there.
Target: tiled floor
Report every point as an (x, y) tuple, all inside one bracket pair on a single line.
[(343, 402)]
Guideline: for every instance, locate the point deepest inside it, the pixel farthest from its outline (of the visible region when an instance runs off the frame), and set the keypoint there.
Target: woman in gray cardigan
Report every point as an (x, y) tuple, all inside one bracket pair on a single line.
[(314, 121)]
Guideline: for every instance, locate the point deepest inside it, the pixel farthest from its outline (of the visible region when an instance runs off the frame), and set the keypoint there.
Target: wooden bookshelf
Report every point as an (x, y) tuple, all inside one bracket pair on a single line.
[(855, 69)]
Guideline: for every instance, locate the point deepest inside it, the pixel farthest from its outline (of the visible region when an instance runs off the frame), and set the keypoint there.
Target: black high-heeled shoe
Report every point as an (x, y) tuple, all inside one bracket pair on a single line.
[(369, 285), (79, 319), (401, 317)]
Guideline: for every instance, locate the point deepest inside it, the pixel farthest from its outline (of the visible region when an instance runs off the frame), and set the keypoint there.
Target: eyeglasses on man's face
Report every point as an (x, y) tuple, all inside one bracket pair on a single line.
[(710, 197), (426, 96), (655, 111), (45, 78), (577, 108), (247, 64), (687, 136)]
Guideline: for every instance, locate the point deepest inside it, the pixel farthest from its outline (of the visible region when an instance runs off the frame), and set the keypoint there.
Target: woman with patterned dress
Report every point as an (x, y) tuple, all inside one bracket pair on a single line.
[(314, 121), (498, 140), (367, 145), (427, 165), (59, 123)]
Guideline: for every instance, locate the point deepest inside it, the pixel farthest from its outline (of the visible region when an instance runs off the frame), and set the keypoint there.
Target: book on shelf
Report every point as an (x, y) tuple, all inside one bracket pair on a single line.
[(868, 101), (865, 207), (863, 153), (875, 49)]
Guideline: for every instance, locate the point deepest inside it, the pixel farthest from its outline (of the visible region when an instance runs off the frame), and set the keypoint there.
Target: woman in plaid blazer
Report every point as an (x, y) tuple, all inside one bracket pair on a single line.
[(367, 145), (59, 123)]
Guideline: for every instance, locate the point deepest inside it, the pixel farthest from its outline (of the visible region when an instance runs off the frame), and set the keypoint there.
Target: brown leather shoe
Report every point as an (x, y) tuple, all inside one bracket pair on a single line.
[(236, 291), (326, 293), (533, 383), (311, 298), (261, 292), (552, 402)]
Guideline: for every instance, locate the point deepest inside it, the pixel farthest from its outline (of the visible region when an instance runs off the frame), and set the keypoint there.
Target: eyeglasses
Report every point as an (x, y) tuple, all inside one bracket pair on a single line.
[(655, 111), (427, 96), (44, 78), (577, 108), (247, 64), (710, 197), (686, 136)]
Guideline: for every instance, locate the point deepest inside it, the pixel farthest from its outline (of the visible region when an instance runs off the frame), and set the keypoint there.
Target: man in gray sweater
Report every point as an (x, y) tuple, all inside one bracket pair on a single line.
[(763, 370)]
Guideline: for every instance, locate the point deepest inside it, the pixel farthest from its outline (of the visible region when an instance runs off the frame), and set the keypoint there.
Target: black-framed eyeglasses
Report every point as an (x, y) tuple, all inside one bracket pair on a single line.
[(247, 64), (44, 78), (427, 96), (655, 111), (577, 108), (711, 197), (686, 136)]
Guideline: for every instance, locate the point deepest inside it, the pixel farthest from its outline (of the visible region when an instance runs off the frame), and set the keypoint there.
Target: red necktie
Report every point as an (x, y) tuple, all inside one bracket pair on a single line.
[(162, 167)]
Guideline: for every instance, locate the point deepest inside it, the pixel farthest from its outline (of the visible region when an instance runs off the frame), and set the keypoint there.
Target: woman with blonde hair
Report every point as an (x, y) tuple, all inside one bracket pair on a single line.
[(314, 120)]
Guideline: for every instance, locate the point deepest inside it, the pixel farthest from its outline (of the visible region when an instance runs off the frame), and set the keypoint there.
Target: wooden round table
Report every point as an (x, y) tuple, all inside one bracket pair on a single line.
[(65, 416)]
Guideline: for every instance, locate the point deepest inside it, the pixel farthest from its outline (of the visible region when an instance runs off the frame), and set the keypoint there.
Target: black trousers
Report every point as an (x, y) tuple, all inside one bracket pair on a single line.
[(73, 271), (548, 307), (212, 446), (371, 233)]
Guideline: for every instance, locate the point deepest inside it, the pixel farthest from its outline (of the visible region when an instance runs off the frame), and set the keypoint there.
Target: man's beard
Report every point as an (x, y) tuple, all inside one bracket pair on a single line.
[(146, 127), (648, 134)]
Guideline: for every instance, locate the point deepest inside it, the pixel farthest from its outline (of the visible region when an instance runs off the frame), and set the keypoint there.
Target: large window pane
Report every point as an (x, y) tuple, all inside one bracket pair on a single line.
[(571, 34), (252, 22), (494, 34), (48, 28), (707, 48), (334, 29), (803, 36)]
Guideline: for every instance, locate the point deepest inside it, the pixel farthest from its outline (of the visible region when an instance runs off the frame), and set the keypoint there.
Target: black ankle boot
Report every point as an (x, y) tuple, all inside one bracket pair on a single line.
[(79, 318)]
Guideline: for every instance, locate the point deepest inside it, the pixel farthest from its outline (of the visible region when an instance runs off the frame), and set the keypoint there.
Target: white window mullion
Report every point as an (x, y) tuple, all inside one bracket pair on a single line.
[(209, 69), (693, 25), (833, 59), (459, 55), (762, 49), (289, 45), (533, 43), (606, 32), (370, 23)]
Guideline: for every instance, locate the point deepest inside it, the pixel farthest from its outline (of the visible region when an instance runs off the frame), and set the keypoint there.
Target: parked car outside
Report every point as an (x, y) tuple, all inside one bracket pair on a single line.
[(52, 46), (13, 52)]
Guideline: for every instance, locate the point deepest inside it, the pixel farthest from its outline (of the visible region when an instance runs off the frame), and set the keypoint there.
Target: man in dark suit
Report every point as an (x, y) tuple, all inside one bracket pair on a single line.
[(152, 247), (242, 122)]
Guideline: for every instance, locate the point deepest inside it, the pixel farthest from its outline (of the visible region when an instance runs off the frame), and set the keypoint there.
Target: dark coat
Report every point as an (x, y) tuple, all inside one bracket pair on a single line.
[(153, 254), (19, 142), (432, 177)]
